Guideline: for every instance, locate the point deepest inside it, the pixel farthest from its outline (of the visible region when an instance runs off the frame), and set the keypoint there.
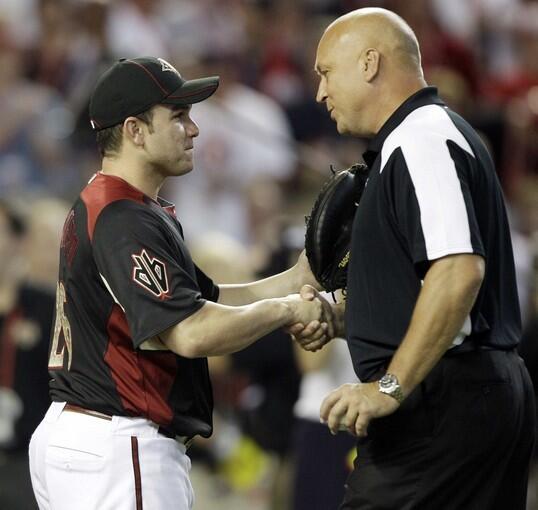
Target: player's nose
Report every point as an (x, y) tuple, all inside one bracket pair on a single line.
[(193, 130)]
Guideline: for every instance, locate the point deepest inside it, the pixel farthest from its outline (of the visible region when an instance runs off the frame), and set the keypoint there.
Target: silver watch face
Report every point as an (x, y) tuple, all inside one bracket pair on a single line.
[(388, 382)]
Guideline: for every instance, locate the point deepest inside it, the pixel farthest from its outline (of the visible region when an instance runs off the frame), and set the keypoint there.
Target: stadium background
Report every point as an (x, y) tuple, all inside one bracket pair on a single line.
[(265, 147)]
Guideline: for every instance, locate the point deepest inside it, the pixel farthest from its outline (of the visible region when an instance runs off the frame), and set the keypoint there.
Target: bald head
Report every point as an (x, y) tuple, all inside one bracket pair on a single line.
[(380, 29), (369, 63)]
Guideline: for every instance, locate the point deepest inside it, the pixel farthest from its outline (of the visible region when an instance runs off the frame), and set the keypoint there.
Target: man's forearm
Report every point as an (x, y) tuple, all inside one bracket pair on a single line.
[(445, 300), (217, 329), (282, 284), (339, 310)]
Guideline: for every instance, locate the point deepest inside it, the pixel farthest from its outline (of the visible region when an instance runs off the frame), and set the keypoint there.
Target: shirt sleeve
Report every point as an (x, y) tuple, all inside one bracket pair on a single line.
[(429, 194), (209, 290), (147, 274)]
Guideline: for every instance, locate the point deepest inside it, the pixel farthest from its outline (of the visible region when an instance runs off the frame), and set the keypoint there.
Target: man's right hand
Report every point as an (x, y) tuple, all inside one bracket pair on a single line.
[(313, 335), (304, 311)]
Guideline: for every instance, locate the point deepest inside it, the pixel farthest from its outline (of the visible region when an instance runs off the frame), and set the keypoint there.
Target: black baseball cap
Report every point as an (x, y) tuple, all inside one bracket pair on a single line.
[(132, 86)]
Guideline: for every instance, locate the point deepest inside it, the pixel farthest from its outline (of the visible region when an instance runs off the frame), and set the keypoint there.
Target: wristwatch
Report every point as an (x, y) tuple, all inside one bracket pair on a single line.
[(389, 385)]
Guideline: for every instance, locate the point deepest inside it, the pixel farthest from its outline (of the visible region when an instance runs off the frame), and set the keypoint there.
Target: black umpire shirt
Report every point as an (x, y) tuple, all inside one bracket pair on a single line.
[(432, 192), (125, 277)]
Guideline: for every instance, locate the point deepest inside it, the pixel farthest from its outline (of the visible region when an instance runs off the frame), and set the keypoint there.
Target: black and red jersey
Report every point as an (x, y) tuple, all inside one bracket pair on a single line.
[(126, 276)]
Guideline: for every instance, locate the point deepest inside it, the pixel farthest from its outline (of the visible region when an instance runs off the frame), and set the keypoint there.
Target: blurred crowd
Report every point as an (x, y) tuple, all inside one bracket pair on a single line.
[(264, 149)]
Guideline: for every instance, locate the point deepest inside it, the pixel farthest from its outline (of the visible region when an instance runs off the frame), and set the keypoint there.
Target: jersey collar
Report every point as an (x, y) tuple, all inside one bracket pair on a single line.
[(165, 204), (425, 96)]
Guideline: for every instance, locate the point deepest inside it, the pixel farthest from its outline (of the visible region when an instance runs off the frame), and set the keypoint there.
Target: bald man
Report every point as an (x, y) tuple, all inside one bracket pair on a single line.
[(444, 413)]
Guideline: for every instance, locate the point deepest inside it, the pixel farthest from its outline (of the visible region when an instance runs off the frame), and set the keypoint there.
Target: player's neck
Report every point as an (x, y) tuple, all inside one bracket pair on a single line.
[(146, 181)]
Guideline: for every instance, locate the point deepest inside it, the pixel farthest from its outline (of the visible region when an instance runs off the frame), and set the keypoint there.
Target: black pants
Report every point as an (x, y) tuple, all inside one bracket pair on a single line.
[(321, 466), (461, 441)]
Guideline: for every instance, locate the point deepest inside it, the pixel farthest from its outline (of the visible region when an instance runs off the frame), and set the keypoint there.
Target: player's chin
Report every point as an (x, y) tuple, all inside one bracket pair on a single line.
[(184, 167)]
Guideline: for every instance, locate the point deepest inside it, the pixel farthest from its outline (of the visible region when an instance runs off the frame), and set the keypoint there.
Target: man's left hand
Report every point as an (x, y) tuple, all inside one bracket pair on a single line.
[(353, 406)]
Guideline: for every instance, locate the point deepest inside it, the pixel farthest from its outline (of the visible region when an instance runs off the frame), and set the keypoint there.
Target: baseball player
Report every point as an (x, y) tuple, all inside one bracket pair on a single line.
[(135, 317)]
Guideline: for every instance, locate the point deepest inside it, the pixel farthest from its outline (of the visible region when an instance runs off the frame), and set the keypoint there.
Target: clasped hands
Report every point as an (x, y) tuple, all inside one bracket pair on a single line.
[(314, 334)]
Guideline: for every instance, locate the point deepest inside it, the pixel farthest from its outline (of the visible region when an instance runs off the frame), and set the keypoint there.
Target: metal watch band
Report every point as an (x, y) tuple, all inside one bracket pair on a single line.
[(397, 394)]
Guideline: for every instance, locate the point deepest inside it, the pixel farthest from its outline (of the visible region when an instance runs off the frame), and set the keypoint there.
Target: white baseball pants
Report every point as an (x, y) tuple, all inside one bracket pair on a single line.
[(83, 462)]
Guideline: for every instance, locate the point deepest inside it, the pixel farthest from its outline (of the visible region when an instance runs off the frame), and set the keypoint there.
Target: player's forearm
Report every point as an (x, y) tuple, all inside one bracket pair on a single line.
[(446, 299), (282, 284), (218, 329)]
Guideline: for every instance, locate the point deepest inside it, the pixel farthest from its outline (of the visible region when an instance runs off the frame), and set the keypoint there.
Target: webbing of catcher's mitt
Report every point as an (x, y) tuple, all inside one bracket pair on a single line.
[(328, 227)]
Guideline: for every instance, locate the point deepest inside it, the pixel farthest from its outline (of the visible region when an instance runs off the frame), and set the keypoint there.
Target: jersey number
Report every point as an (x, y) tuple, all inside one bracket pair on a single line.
[(61, 341)]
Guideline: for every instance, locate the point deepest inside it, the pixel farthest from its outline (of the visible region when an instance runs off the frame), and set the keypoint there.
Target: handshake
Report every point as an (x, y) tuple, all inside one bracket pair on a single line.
[(315, 321)]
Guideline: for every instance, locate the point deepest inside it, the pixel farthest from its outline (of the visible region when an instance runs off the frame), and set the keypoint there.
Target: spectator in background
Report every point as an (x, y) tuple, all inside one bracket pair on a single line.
[(32, 151), (90, 46), (246, 138), (23, 24), (89, 57), (483, 26), (47, 61), (517, 94), (140, 17), (520, 22), (44, 220), (280, 73), (438, 47), (25, 322)]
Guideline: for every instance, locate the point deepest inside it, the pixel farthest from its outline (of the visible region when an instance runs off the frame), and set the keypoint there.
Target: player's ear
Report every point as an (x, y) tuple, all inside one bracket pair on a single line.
[(369, 64), (133, 131)]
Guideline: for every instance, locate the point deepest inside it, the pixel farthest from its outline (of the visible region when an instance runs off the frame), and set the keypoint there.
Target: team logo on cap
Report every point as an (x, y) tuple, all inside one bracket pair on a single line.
[(166, 66), (150, 274)]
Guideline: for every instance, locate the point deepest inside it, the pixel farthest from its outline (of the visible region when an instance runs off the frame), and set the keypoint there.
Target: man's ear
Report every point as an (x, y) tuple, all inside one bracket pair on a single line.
[(369, 64), (133, 131)]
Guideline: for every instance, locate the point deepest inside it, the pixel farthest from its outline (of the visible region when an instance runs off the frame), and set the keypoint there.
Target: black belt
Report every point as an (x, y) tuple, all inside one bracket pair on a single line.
[(473, 346), (186, 440)]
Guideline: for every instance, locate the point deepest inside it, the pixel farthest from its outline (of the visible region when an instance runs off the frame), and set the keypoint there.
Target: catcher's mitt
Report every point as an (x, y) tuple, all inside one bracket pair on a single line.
[(328, 228)]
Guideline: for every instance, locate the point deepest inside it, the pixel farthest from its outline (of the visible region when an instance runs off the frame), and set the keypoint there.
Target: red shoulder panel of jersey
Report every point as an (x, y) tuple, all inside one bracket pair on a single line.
[(101, 191)]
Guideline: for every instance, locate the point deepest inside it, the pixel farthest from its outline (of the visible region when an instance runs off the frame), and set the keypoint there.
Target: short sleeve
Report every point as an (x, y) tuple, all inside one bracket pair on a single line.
[(209, 290), (147, 270), (429, 194)]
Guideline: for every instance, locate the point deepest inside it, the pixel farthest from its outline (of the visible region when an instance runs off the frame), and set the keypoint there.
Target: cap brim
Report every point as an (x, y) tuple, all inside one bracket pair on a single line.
[(193, 91)]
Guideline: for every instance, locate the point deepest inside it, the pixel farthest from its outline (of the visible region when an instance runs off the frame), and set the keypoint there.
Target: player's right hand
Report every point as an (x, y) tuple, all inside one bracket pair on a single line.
[(303, 311), (314, 334)]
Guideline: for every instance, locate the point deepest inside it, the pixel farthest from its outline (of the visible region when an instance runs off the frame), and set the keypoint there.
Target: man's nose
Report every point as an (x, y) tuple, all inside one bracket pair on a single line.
[(321, 96), (194, 130)]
